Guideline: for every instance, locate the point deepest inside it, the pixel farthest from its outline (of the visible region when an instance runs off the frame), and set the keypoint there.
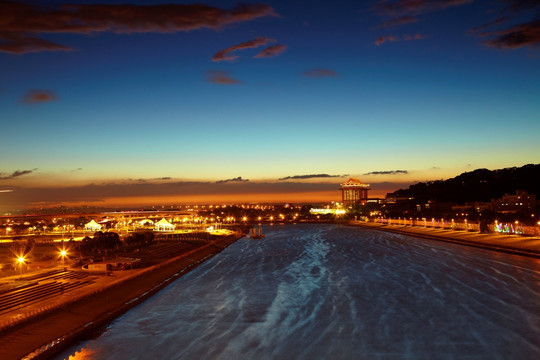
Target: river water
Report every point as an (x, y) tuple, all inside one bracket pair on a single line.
[(335, 292)]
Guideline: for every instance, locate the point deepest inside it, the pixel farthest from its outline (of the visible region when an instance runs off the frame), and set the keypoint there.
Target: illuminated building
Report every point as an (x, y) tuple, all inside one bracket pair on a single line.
[(92, 226), (326, 211), (353, 191), (521, 202)]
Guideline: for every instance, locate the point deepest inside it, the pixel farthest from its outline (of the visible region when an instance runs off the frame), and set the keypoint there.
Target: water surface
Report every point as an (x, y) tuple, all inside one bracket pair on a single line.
[(336, 292)]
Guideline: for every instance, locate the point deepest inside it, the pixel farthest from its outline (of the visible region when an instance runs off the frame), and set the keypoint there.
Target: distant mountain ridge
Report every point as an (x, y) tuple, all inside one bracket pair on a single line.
[(477, 185)]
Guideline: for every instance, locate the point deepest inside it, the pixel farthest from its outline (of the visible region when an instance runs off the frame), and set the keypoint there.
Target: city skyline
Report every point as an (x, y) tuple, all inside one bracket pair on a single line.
[(139, 102)]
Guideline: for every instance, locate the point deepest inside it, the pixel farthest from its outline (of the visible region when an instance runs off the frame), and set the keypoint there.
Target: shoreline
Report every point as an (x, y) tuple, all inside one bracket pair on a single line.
[(51, 332), (511, 244)]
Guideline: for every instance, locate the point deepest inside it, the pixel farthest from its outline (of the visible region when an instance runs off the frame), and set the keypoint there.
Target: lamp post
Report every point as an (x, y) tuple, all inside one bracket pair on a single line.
[(20, 260), (63, 254)]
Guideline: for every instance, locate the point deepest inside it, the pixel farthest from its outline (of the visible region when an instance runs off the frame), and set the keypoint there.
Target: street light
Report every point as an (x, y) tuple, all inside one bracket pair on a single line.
[(63, 254), (20, 260)]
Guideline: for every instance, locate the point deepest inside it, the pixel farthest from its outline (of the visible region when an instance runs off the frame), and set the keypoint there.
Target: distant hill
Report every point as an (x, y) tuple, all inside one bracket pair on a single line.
[(477, 185)]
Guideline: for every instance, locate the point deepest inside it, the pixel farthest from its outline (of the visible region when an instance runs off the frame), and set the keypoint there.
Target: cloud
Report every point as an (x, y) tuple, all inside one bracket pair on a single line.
[(311, 176), (236, 179), (517, 5), (18, 44), (391, 172), (133, 194), (77, 169), (382, 39), (162, 178), (413, 37), (415, 7), (525, 34), (398, 21), (391, 38), (16, 174), (39, 96), (22, 25), (271, 51), (404, 12), (224, 54), (320, 72), (489, 24), (517, 35), (221, 77)]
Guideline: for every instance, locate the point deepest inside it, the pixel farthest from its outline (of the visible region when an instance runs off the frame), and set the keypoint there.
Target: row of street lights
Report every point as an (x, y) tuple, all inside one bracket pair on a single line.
[(21, 260)]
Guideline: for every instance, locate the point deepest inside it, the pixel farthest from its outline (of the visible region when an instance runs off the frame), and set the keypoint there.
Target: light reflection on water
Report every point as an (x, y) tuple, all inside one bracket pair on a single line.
[(328, 291)]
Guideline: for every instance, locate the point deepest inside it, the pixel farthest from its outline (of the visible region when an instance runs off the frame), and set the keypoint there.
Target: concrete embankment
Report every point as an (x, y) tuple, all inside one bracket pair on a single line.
[(511, 244), (46, 335)]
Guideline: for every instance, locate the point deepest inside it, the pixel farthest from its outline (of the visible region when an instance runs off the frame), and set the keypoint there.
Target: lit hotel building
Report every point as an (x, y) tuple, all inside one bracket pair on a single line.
[(353, 191)]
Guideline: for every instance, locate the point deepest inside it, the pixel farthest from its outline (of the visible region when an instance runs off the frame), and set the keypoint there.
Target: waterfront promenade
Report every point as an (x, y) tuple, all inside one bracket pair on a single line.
[(513, 244), (87, 310)]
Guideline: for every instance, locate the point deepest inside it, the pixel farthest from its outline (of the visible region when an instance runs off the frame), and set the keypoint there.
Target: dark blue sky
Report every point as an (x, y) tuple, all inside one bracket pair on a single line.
[(122, 94)]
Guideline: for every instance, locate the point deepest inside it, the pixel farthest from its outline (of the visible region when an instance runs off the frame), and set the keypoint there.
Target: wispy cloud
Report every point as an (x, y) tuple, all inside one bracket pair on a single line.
[(236, 179), (221, 77), (271, 51), (403, 12), (320, 72), (398, 21), (39, 96), (518, 5), (311, 176), (413, 37), (525, 34), (225, 54), (415, 7), (15, 174), (391, 38), (524, 31), (390, 172), (489, 24), (522, 26), (23, 25), (388, 38)]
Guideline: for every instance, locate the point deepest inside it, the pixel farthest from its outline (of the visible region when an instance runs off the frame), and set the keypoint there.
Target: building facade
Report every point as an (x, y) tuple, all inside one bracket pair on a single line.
[(353, 191), (520, 202)]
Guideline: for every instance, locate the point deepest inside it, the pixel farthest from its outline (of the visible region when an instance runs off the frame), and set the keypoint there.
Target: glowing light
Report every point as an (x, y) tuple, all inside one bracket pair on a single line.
[(20, 259)]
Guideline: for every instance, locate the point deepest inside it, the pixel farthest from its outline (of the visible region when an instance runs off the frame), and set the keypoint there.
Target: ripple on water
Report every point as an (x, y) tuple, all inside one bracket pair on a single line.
[(327, 291)]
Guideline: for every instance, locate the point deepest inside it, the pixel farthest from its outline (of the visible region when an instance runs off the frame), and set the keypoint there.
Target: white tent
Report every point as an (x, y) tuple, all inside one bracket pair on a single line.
[(164, 225), (92, 226)]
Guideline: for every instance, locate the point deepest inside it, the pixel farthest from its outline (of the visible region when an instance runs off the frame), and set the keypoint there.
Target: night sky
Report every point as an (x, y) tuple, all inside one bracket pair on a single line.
[(141, 102)]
